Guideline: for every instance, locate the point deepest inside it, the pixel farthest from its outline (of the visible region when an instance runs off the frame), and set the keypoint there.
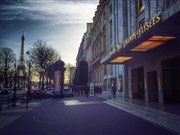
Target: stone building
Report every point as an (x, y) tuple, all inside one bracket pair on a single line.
[(88, 51), (147, 44), (85, 50), (115, 34), (99, 44)]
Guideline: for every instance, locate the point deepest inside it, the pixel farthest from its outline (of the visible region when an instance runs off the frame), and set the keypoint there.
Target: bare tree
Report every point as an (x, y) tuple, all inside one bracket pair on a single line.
[(42, 56), (7, 59)]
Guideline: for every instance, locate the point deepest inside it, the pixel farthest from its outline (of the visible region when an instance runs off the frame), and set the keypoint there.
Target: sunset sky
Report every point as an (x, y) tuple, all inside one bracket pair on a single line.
[(61, 23)]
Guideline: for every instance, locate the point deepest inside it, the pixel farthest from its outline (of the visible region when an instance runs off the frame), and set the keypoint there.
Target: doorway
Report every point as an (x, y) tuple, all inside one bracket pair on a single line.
[(152, 86), (171, 80), (138, 83)]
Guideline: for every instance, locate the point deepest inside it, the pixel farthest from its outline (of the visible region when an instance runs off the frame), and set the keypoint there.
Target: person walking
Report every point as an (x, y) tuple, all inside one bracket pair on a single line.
[(86, 91), (114, 90)]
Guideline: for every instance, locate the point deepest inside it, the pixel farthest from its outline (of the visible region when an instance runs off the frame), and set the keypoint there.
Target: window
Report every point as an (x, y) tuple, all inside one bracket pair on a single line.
[(110, 10), (115, 31), (104, 44), (96, 50), (170, 2), (111, 34), (105, 70), (139, 6), (101, 47), (104, 18), (141, 22)]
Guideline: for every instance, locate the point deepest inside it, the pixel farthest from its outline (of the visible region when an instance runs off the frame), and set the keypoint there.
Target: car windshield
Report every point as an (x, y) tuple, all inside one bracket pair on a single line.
[(66, 90)]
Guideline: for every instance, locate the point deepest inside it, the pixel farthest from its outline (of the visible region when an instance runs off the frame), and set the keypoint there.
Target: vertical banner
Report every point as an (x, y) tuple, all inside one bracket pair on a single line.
[(57, 82), (91, 89)]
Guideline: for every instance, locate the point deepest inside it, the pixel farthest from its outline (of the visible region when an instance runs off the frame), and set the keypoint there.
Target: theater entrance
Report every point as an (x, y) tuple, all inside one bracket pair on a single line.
[(171, 80), (152, 86), (138, 83)]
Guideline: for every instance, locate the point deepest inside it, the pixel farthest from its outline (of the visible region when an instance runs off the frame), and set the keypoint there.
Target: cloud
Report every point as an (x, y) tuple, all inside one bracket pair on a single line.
[(53, 11), (7, 43), (10, 44)]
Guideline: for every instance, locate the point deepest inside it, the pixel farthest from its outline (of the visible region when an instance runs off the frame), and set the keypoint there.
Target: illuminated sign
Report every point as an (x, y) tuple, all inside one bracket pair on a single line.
[(152, 43), (138, 33)]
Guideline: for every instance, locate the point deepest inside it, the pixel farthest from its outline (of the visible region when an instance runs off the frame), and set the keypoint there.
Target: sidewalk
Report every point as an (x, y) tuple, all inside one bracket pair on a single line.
[(165, 115), (8, 115)]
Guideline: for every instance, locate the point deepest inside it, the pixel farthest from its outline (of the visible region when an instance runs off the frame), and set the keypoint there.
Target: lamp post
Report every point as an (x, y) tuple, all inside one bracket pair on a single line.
[(29, 81), (42, 78), (29, 84), (15, 87)]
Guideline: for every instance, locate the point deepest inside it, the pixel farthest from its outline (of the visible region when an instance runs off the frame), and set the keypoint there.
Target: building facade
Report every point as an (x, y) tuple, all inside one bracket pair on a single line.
[(133, 45), (85, 52), (94, 46), (88, 51), (98, 44), (115, 28), (147, 45)]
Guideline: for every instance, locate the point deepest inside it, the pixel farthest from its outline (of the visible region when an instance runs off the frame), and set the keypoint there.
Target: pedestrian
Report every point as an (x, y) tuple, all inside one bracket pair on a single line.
[(114, 90), (86, 92)]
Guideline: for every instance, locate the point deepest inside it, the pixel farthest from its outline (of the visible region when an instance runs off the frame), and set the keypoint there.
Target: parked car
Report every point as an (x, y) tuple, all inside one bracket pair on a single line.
[(50, 92), (38, 94), (68, 92), (5, 91)]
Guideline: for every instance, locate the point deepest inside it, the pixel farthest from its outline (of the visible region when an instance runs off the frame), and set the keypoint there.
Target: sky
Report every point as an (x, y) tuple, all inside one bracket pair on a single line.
[(61, 23)]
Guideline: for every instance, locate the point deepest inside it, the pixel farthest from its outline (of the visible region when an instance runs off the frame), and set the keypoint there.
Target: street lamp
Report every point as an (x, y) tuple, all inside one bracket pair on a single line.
[(42, 78), (15, 87), (29, 81)]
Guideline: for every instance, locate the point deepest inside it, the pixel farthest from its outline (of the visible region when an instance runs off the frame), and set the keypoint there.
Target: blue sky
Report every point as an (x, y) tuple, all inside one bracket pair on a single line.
[(61, 23)]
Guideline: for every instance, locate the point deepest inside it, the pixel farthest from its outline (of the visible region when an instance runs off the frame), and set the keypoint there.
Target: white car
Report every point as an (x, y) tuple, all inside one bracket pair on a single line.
[(68, 92), (50, 91)]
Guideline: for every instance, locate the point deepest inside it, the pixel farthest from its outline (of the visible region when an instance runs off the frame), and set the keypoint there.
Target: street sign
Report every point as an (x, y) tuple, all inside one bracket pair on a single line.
[(91, 89)]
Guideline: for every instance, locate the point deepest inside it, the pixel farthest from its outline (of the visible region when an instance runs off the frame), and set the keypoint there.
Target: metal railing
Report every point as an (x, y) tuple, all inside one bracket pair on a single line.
[(7, 100)]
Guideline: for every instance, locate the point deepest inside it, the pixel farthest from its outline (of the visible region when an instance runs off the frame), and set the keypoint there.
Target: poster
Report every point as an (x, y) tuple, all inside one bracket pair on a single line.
[(120, 83), (91, 89), (57, 82)]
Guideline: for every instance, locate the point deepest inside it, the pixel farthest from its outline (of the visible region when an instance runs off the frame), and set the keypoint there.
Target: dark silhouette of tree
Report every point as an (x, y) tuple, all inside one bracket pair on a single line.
[(7, 60), (50, 74), (81, 74), (76, 77)]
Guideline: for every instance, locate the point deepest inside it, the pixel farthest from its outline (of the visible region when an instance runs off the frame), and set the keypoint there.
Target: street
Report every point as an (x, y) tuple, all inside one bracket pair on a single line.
[(80, 116)]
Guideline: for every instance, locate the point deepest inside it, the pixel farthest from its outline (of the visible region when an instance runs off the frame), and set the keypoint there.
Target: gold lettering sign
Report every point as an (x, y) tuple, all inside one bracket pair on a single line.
[(138, 33), (112, 52)]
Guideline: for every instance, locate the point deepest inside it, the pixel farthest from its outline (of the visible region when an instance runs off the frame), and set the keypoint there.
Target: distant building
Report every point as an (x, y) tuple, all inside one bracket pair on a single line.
[(98, 44), (85, 50)]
